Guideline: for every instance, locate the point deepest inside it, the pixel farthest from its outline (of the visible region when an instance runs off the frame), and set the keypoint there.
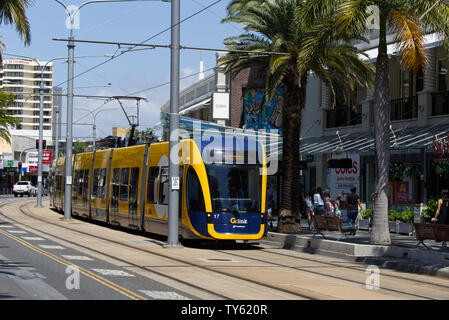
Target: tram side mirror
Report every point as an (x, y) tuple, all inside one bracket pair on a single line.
[(345, 163)]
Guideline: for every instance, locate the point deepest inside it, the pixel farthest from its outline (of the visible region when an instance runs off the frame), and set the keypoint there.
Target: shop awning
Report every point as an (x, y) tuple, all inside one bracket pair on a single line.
[(402, 138), (406, 137)]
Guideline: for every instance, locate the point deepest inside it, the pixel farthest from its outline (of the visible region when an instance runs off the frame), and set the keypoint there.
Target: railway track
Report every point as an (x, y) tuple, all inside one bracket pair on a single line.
[(272, 261), (160, 255)]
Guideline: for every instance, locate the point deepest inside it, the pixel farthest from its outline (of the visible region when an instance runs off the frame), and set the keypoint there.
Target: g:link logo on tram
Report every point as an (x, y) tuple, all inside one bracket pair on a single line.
[(239, 221)]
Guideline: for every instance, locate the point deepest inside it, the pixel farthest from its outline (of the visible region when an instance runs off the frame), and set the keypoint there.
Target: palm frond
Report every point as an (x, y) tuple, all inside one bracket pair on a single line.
[(14, 12), (409, 39)]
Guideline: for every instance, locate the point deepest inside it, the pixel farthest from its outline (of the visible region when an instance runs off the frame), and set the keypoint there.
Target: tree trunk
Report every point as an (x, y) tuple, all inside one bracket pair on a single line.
[(380, 233), (291, 120)]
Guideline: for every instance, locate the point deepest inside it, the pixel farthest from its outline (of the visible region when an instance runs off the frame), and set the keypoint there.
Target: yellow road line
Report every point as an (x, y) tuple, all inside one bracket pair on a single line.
[(86, 272)]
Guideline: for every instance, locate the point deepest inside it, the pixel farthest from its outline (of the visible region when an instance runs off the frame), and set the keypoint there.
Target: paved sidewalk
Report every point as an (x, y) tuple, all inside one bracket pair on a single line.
[(402, 254)]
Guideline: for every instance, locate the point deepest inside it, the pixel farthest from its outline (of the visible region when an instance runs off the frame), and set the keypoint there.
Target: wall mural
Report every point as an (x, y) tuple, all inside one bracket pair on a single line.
[(258, 114)]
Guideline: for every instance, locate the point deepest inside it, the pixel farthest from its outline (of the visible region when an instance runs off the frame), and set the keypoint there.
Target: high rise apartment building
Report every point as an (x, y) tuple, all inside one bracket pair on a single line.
[(23, 78)]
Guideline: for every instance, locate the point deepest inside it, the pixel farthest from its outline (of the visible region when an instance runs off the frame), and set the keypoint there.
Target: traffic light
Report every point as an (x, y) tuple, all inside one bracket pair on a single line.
[(345, 163), (44, 144), (19, 166)]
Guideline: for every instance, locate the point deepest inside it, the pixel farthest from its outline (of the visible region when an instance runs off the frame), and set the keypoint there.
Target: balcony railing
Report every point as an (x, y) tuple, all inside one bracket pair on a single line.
[(440, 103), (404, 108)]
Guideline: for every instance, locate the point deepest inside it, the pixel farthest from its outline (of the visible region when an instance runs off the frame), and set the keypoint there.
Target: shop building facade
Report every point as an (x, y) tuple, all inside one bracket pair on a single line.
[(419, 111)]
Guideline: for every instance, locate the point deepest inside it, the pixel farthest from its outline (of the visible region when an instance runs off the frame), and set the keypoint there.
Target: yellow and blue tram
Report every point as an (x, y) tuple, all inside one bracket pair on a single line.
[(222, 194)]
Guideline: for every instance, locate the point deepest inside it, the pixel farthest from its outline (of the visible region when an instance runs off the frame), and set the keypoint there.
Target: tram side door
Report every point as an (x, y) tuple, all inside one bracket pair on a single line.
[(85, 194), (115, 195), (164, 189), (133, 220)]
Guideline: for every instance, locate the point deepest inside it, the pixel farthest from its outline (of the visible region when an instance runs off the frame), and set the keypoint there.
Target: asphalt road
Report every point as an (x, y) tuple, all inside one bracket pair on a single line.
[(33, 267), (44, 257)]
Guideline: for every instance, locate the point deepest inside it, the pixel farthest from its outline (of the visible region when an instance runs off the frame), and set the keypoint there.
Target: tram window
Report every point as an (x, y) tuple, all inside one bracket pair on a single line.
[(124, 181), (195, 199), (85, 184), (101, 183), (75, 185), (163, 186), (80, 182), (152, 185), (133, 186), (115, 183), (95, 183)]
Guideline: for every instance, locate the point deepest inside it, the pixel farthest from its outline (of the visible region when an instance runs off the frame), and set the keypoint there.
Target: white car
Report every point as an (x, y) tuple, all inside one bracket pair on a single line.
[(24, 187)]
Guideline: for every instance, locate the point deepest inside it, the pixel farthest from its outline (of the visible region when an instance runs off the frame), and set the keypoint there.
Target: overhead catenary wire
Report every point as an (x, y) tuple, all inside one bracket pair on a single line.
[(166, 46), (150, 88), (143, 42)]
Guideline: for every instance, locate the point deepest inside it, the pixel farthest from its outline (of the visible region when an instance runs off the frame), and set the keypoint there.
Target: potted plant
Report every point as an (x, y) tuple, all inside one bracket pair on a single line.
[(405, 221), (365, 220), (392, 217), (428, 213)]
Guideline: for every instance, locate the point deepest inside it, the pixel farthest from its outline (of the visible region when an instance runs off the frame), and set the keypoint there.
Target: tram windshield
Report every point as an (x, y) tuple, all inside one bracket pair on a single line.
[(235, 188)]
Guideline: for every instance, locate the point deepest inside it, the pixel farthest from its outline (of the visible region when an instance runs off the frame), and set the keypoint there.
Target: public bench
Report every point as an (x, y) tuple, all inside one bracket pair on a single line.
[(431, 231), (330, 223)]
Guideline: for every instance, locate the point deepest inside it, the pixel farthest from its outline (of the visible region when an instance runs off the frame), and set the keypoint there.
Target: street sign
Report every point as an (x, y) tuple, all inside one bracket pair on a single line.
[(175, 183), (46, 156)]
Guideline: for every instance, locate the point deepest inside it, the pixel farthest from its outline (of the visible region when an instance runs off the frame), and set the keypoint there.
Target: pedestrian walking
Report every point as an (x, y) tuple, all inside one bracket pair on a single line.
[(442, 213), (318, 202), (353, 200), (309, 208), (337, 206), (328, 204)]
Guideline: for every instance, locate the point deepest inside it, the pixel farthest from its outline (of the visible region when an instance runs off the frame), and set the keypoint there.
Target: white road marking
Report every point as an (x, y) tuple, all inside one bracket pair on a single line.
[(164, 295), (82, 258), (108, 272), (33, 238), (6, 226), (17, 231), (44, 246)]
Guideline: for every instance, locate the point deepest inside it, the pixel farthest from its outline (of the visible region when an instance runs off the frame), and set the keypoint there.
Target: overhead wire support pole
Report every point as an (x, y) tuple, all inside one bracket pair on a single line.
[(69, 136), (174, 181)]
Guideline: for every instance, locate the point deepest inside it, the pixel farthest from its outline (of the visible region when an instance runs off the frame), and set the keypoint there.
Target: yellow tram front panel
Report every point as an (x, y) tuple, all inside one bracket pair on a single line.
[(212, 210), (99, 185), (126, 176)]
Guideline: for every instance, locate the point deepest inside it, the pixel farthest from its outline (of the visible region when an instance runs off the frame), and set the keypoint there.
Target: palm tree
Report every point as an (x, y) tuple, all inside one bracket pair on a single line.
[(13, 12), (272, 26), (409, 20), (6, 120)]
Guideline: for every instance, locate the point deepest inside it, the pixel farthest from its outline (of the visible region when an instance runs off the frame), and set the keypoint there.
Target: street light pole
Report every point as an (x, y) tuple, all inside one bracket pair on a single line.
[(174, 181), (41, 137), (69, 127)]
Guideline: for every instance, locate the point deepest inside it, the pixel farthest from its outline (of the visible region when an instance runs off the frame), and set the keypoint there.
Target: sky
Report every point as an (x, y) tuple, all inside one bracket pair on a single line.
[(131, 22)]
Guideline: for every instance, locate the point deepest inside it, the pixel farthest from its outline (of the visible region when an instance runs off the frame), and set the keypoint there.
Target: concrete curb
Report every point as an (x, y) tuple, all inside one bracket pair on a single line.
[(413, 260)]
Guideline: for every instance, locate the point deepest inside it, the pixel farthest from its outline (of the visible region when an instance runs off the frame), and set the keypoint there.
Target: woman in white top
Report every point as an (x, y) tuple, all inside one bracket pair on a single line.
[(318, 202)]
